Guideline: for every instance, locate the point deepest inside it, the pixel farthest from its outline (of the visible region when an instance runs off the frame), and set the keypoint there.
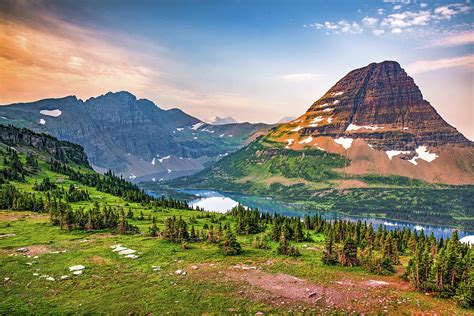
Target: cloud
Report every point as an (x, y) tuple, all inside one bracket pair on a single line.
[(422, 66), (343, 26), (298, 77), (463, 38), (370, 22), (396, 30), (401, 21), (378, 32), (39, 60), (450, 10)]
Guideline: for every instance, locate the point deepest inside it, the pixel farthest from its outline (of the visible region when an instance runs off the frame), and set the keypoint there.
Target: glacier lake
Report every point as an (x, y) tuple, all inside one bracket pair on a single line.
[(214, 201)]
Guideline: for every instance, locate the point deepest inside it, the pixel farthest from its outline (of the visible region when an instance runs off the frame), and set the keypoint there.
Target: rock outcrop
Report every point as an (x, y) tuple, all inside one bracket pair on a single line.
[(25, 140)]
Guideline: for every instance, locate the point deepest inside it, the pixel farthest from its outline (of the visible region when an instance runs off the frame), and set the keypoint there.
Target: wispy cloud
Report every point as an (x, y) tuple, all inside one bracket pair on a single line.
[(343, 26), (73, 60), (422, 66), (298, 77), (464, 38)]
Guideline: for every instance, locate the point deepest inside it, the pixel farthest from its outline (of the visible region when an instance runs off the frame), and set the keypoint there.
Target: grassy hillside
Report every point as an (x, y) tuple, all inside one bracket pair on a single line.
[(309, 178), (193, 277)]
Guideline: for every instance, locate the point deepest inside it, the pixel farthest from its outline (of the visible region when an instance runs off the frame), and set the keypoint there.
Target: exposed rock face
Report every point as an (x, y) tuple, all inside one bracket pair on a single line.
[(24, 140), (381, 104)]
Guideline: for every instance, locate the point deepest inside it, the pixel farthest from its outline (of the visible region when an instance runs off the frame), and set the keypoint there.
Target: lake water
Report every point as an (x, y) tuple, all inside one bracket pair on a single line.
[(214, 201)]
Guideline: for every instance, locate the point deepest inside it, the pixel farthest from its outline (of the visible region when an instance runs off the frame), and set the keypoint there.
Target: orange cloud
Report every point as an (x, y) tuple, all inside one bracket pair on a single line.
[(63, 59)]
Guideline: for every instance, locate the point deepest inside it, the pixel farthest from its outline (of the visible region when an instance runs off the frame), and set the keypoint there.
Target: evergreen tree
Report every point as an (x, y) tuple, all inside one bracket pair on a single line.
[(230, 246), (348, 256)]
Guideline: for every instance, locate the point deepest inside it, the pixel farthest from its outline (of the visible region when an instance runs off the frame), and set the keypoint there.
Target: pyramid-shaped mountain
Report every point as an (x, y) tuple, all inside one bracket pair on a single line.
[(381, 104), (373, 127)]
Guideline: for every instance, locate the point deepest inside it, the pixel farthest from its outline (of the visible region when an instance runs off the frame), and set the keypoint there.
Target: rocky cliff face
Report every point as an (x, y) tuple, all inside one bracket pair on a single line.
[(379, 108), (26, 140), (130, 136), (381, 104)]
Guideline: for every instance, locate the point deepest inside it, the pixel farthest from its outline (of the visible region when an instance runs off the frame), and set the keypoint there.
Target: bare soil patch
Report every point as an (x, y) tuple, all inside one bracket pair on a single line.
[(36, 250), (98, 260), (13, 216), (360, 295)]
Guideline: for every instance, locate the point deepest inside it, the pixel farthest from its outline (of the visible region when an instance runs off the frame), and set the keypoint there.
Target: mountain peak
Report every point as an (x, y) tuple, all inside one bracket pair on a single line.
[(381, 104)]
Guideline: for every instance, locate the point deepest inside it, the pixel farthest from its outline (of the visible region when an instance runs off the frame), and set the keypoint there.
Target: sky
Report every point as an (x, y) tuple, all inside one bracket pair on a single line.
[(256, 61)]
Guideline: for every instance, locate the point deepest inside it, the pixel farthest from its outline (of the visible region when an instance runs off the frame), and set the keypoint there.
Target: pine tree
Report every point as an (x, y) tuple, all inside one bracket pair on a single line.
[(348, 256), (230, 246), (329, 257), (153, 230)]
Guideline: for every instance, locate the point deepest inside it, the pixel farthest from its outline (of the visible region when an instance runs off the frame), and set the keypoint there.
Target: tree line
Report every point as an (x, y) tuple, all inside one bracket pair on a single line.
[(115, 185)]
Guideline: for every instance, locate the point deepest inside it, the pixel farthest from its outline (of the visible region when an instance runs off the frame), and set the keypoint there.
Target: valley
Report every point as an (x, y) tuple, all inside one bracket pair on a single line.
[(283, 219), (229, 157)]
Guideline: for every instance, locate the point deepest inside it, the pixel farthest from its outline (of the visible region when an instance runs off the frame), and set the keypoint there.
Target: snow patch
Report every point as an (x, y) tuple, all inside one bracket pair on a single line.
[(290, 142), (207, 130), (335, 94), (221, 135), (42, 121), (393, 153), (53, 113), (164, 158), (153, 161), (306, 140), (330, 120), (153, 179), (197, 125), (317, 119), (296, 129), (328, 110), (180, 129), (344, 142), (336, 102), (354, 127), (423, 153), (405, 128), (132, 176), (169, 170)]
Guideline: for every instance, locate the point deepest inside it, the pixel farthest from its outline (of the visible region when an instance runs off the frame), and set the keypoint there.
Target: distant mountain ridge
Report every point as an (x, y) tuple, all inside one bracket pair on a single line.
[(130, 136)]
